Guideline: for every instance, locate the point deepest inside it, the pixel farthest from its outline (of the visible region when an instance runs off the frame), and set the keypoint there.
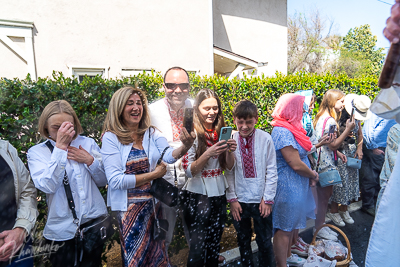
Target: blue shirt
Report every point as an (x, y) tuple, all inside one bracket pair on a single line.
[(375, 131)]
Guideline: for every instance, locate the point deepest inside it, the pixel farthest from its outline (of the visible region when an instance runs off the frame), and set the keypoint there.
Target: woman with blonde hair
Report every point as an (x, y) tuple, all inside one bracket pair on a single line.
[(204, 207), (328, 115), (131, 148), (66, 157)]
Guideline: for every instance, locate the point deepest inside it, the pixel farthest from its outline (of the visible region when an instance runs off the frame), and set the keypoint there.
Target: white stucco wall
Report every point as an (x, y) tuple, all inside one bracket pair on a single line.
[(255, 29), (119, 34)]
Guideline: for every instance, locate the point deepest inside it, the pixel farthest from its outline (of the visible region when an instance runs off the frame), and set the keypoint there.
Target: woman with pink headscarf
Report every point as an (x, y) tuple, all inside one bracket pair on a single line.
[(294, 202)]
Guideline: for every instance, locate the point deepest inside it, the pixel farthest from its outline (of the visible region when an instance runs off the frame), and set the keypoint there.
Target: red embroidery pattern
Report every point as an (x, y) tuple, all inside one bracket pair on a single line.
[(246, 151), (185, 161), (211, 173), (176, 121)]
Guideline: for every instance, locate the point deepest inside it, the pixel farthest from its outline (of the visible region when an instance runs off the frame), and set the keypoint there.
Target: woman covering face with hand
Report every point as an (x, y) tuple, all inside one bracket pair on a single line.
[(65, 152), (204, 205), (131, 149)]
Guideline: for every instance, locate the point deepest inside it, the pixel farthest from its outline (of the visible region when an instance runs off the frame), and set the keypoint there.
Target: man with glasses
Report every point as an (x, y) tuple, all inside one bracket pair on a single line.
[(167, 115)]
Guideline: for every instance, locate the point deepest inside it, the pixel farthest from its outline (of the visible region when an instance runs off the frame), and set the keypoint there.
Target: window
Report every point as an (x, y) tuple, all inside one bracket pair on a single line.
[(91, 71)]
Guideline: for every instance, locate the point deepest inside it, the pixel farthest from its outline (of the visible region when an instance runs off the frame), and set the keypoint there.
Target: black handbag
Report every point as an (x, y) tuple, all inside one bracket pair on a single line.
[(162, 189), (160, 228), (91, 234)]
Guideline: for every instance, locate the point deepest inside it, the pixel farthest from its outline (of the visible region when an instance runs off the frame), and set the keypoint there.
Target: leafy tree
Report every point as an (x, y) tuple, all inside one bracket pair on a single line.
[(359, 55), (308, 41)]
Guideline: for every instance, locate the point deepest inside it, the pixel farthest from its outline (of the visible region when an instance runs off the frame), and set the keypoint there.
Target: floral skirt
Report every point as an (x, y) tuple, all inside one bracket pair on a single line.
[(350, 180)]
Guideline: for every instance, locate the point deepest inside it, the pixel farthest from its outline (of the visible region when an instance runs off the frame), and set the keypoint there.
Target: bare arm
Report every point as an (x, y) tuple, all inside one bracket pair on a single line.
[(144, 178), (292, 158)]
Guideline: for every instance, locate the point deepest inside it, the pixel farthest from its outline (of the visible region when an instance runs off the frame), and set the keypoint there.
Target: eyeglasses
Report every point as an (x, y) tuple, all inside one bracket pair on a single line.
[(173, 86)]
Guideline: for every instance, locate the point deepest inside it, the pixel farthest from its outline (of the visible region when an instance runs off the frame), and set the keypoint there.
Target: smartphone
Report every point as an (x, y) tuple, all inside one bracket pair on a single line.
[(352, 113), (332, 129), (225, 133), (188, 119)]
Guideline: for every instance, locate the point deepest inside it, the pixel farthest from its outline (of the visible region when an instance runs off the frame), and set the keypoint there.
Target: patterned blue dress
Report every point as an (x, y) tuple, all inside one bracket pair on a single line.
[(294, 202)]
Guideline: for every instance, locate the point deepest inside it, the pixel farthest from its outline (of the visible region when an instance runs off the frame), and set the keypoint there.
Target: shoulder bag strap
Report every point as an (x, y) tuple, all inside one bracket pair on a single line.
[(71, 205), (67, 188)]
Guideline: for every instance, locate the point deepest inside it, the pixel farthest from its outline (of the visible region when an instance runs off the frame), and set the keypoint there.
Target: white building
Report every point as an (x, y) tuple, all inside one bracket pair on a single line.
[(118, 38)]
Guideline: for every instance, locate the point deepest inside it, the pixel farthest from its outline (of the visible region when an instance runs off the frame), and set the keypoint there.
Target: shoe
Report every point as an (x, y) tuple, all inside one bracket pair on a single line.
[(221, 259), (336, 219), (295, 260), (331, 231), (324, 234), (346, 217), (370, 211), (299, 249), (304, 244)]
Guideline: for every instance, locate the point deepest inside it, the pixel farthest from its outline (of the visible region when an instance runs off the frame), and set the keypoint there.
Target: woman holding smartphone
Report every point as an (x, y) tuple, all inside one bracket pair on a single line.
[(329, 113), (204, 205)]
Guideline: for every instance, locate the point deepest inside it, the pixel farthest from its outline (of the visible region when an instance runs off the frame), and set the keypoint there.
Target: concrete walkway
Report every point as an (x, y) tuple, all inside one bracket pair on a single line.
[(234, 254)]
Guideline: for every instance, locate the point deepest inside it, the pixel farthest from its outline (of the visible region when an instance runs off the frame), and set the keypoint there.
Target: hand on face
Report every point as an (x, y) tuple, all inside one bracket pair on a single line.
[(65, 134)]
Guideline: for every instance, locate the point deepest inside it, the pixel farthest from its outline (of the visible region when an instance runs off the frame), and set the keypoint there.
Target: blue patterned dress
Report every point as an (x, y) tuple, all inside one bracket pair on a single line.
[(294, 202), (138, 248)]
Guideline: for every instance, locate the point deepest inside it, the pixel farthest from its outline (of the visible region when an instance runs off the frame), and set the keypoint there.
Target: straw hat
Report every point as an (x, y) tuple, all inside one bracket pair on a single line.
[(360, 103)]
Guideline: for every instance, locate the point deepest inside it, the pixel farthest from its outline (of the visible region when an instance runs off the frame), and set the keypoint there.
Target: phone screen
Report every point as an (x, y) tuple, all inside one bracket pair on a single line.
[(188, 119)]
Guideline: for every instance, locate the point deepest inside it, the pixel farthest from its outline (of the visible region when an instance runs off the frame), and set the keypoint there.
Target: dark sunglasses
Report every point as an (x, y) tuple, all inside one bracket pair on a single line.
[(173, 86)]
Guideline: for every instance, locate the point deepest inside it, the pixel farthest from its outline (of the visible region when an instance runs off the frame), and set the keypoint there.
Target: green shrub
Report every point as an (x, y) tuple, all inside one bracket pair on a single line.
[(22, 101)]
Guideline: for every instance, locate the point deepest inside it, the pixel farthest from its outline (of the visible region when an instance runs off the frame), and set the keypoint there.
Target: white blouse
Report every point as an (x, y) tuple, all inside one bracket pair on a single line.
[(210, 181)]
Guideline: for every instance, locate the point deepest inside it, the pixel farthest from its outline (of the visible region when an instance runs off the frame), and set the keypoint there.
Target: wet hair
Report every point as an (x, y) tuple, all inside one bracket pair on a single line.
[(176, 68), (245, 109), (54, 108), (218, 123), (114, 119)]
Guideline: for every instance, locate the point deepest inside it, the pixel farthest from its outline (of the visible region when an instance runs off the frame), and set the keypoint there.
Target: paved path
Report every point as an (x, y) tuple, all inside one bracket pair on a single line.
[(358, 235)]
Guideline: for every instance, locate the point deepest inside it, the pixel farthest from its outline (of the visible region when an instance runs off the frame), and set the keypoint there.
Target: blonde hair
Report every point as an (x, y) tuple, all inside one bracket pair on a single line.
[(54, 108), (328, 104), (114, 119)]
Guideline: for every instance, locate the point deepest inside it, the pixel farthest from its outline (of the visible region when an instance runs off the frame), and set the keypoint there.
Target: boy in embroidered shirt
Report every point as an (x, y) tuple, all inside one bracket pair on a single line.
[(252, 185)]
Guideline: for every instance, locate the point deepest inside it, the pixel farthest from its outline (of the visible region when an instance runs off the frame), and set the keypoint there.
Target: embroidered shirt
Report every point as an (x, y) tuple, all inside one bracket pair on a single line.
[(247, 153), (176, 120)]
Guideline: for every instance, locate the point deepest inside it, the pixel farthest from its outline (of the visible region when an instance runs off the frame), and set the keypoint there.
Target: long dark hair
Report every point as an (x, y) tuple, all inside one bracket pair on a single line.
[(199, 124)]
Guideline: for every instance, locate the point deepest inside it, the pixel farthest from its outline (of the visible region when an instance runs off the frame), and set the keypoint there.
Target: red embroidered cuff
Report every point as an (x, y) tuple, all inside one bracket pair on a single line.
[(269, 202), (232, 200)]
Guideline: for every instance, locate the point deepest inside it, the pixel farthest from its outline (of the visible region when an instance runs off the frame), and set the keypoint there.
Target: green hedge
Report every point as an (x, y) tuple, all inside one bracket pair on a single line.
[(22, 101)]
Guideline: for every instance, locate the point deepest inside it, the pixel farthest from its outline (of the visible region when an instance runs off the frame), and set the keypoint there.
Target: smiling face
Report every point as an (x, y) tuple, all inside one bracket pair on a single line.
[(133, 111), (245, 126), (176, 97), (339, 105), (55, 121), (208, 109)]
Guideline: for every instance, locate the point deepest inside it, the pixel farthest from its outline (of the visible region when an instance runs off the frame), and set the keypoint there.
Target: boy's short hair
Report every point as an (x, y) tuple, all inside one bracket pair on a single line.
[(245, 109)]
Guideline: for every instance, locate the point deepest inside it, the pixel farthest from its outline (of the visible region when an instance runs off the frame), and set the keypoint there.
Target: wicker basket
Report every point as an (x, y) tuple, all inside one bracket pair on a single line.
[(345, 262)]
